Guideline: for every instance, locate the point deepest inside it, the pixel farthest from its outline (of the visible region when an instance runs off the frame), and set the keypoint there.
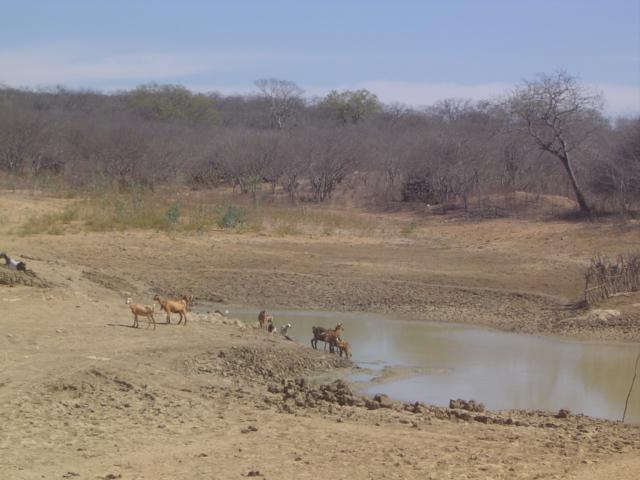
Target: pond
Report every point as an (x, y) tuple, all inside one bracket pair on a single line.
[(434, 362)]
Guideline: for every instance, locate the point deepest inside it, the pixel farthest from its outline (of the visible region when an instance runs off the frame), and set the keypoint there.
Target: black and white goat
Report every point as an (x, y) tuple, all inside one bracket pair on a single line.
[(14, 264)]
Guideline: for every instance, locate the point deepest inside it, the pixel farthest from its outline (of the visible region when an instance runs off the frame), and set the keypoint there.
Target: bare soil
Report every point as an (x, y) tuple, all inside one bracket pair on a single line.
[(84, 395)]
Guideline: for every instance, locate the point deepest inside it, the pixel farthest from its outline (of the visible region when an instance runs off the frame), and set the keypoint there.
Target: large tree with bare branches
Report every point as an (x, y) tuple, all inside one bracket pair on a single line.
[(559, 115), (284, 98)]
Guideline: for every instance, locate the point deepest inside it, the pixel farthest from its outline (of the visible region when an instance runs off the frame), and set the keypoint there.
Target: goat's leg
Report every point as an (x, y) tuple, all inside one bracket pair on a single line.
[(168, 318), (185, 318), (153, 320), (135, 320)]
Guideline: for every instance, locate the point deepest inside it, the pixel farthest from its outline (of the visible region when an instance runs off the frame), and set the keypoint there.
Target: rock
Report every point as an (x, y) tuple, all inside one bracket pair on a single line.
[(481, 419), (372, 404), (603, 316), (273, 388), (464, 416), (471, 405), (329, 397), (563, 413), (383, 400)]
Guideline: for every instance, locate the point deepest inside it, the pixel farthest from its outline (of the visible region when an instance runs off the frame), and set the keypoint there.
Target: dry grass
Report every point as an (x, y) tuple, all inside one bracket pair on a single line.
[(188, 211)]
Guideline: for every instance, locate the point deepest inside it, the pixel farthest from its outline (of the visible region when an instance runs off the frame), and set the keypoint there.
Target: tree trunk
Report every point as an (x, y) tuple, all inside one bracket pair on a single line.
[(584, 207)]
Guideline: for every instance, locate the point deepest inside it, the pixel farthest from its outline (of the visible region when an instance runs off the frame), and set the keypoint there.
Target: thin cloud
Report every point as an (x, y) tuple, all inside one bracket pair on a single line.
[(87, 67), (421, 94), (61, 65), (619, 99)]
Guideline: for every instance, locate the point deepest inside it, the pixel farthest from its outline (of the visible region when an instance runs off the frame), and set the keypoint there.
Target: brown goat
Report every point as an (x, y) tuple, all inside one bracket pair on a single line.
[(343, 347), (189, 299), (264, 319), (143, 310), (174, 306), (330, 337)]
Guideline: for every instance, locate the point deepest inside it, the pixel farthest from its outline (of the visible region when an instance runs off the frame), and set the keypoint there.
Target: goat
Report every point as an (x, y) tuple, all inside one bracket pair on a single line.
[(343, 347), (284, 329), (264, 319), (271, 328), (328, 336), (189, 299), (174, 306), (14, 264), (144, 310)]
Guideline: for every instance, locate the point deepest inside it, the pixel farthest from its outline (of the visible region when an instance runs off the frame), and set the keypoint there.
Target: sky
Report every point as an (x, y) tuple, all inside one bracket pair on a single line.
[(411, 52)]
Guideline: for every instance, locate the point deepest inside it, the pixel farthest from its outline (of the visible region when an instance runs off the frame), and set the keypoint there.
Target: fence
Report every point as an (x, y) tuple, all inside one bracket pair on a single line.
[(605, 278)]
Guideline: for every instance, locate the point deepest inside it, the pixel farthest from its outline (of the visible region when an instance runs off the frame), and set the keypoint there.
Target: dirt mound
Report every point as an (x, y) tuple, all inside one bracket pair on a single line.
[(262, 364), (12, 277)]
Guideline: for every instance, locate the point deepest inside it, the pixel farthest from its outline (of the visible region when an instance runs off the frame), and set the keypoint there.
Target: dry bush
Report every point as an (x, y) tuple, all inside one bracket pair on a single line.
[(455, 154)]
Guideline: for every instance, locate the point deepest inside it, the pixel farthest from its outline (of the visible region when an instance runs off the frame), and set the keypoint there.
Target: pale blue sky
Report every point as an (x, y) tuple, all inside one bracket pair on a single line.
[(409, 51)]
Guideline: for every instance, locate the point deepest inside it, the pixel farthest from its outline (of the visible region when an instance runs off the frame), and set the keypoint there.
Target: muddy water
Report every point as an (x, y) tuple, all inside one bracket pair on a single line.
[(433, 363)]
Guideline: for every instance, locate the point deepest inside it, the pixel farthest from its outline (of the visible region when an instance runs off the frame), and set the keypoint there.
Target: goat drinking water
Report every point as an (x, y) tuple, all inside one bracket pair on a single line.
[(326, 335)]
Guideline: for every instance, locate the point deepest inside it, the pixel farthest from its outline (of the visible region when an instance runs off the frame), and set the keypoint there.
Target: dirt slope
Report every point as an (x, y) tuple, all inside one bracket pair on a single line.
[(83, 395)]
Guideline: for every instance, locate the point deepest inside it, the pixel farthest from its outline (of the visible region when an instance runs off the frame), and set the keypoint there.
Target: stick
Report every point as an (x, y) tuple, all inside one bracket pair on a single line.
[(633, 380)]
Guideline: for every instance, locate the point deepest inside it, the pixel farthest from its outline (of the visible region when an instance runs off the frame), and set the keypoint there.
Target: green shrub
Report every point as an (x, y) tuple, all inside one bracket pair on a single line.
[(173, 214), (409, 228), (232, 217)]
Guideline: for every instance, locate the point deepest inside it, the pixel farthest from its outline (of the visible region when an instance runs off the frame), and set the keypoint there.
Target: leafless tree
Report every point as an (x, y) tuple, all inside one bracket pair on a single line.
[(284, 98), (559, 115), (616, 176), (332, 156)]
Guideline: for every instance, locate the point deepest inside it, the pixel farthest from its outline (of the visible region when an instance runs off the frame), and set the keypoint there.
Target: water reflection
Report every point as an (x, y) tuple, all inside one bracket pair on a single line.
[(503, 370)]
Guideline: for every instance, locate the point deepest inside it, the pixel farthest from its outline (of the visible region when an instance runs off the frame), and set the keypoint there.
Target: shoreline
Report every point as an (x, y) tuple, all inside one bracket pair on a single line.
[(591, 336)]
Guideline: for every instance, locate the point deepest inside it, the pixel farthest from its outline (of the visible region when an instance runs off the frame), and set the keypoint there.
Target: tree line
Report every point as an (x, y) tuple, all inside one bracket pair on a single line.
[(548, 136)]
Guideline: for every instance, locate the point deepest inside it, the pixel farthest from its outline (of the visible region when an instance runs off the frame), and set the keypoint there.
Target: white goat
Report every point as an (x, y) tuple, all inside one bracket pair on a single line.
[(284, 329)]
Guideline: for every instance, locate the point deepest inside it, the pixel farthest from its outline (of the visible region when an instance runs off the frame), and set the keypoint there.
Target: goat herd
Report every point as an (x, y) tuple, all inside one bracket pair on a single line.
[(331, 337)]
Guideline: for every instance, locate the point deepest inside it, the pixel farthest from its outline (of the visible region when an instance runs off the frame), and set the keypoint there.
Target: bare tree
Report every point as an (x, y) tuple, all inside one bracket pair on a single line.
[(617, 175), (20, 134), (284, 98), (558, 114), (332, 156)]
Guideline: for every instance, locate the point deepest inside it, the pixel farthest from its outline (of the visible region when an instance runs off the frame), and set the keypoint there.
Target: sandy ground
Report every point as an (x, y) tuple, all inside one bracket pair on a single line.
[(83, 395)]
